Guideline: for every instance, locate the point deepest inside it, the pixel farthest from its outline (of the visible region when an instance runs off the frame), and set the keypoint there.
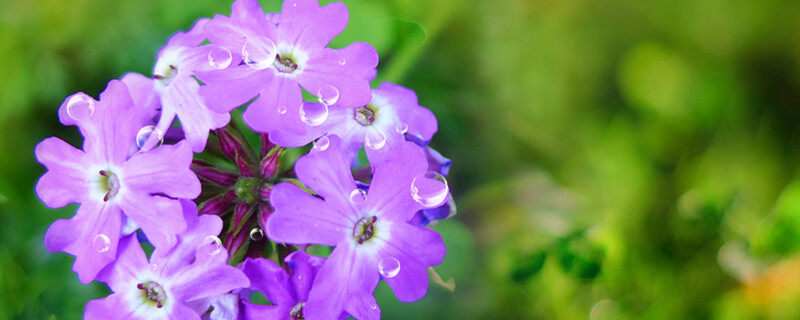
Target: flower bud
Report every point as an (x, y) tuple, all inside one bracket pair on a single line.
[(271, 163), (208, 172), (218, 205)]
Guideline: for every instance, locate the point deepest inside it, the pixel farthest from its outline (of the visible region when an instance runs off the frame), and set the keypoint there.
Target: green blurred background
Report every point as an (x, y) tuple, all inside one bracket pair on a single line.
[(612, 159)]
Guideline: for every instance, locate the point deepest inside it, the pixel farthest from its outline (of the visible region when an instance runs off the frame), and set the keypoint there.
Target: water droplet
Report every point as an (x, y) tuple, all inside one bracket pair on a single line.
[(401, 127), (281, 109), (429, 189), (212, 245), (342, 62), (259, 52), (101, 243), (153, 267), (328, 95), (256, 234), (373, 306), (313, 114), (144, 135), (294, 5), (80, 106), (375, 140), (389, 267), (322, 143), (358, 196), (219, 57)]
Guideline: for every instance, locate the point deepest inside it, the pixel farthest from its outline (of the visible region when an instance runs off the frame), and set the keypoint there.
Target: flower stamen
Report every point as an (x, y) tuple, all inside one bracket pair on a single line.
[(109, 182), (365, 115), (284, 64), (364, 229), (153, 292)]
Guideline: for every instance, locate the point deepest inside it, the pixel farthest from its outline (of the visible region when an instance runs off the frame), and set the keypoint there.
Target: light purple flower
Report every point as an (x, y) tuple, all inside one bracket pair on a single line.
[(380, 125), (440, 164), (178, 283), (287, 292), (279, 60), (369, 230), (110, 182), (174, 89)]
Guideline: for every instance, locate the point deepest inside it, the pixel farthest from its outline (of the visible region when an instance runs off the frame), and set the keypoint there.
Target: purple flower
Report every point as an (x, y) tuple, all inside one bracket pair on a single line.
[(287, 292), (108, 180), (279, 60), (174, 284), (369, 230), (380, 125), (174, 89), (440, 164)]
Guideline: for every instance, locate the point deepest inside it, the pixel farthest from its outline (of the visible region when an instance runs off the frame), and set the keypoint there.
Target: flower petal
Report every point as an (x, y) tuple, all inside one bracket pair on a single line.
[(160, 218), (327, 173), (197, 229), (111, 130), (229, 88), (247, 20), (390, 191), (349, 79), (112, 307), (196, 119), (414, 249), (420, 121), (269, 278), (305, 24), (277, 107), (129, 264), (91, 236), (144, 97), (302, 218), (65, 181), (201, 280), (304, 270), (162, 170), (344, 283), (254, 311)]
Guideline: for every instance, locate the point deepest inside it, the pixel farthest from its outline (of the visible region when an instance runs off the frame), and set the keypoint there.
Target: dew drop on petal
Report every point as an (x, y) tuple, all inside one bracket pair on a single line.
[(375, 140), (342, 62), (153, 267), (429, 189), (80, 107), (259, 52), (389, 267), (358, 196), (313, 114), (328, 95), (401, 127), (212, 245), (256, 234), (145, 134), (219, 57), (281, 109), (101, 243), (322, 143)]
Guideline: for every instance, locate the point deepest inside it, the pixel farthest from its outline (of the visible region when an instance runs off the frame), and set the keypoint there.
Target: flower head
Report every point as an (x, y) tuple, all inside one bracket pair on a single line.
[(174, 88), (112, 181), (280, 59), (174, 283), (287, 292), (370, 231), (379, 125)]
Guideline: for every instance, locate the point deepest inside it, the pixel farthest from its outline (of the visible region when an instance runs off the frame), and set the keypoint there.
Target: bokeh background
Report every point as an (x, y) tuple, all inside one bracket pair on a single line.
[(612, 159)]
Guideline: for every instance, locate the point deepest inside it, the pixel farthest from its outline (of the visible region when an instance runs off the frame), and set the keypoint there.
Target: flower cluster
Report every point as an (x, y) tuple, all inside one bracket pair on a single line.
[(226, 212)]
